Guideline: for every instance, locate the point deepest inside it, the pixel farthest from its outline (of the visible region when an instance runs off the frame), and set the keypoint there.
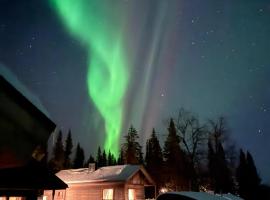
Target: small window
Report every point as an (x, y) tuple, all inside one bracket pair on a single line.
[(131, 194), (108, 194)]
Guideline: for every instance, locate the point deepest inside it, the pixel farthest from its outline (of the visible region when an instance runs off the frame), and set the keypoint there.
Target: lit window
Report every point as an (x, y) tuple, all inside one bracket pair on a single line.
[(108, 194), (131, 194)]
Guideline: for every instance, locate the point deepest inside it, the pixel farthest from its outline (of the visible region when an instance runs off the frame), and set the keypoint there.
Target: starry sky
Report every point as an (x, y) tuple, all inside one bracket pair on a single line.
[(210, 57)]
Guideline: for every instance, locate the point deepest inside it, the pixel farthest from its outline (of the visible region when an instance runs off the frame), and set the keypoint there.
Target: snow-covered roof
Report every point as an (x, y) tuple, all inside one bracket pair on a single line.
[(116, 173)]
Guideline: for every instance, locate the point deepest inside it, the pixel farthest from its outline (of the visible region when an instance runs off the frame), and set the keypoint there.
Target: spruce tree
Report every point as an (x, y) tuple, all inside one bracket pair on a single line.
[(132, 150), (220, 174), (252, 171), (242, 175), (247, 177), (99, 158), (114, 161), (104, 158), (79, 157), (120, 160), (68, 151), (110, 159), (174, 160), (212, 168), (154, 159), (224, 182)]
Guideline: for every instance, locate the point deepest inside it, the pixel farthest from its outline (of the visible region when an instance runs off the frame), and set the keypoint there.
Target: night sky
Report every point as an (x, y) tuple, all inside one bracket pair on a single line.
[(99, 66)]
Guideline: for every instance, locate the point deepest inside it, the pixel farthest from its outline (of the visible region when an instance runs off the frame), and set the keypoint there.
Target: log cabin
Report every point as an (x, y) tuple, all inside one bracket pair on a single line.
[(120, 182)]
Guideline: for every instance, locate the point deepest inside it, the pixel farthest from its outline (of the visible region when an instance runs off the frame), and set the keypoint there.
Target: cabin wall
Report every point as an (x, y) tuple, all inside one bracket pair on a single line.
[(84, 191), (58, 194), (139, 191)]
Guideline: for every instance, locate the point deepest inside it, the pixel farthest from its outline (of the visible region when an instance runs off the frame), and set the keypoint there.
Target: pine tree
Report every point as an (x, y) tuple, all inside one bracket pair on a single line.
[(120, 160), (68, 151), (79, 157), (110, 159), (212, 168), (104, 158), (252, 171), (99, 158), (154, 158), (174, 160), (247, 177), (219, 170), (220, 175), (57, 161), (224, 182), (114, 161), (242, 175), (132, 150)]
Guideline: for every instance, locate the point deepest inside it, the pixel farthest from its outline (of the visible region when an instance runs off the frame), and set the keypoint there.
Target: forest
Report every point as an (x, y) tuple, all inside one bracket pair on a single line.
[(194, 156)]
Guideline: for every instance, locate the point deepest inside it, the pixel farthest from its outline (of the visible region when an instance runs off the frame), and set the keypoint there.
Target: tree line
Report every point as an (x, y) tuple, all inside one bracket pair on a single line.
[(194, 156)]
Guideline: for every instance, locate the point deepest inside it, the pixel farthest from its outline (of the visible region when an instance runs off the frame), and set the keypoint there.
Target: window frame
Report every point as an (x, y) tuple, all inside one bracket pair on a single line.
[(134, 193), (107, 189)]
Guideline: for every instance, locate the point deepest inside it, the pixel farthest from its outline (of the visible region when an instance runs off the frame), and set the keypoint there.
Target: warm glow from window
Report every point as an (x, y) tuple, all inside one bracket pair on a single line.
[(131, 194), (163, 190), (108, 194)]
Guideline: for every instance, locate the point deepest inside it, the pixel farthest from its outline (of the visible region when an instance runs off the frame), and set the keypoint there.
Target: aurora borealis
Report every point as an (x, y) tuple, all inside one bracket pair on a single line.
[(107, 75), (99, 66)]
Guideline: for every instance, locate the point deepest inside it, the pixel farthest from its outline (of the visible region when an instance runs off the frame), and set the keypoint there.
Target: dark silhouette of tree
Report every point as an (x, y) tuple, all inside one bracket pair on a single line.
[(224, 183), (68, 151), (111, 159), (263, 192), (120, 160), (174, 161), (114, 161), (193, 136), (104, 158), (219, 171), (212, 167), (79, 157), (255, 180), (99, 158), (132, 150), (57, 161), (154, 159), (241, 175), (247, 177)]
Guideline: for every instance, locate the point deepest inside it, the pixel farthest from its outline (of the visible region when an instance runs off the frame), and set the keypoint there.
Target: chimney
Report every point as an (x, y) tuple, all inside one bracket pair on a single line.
[(91, 167)]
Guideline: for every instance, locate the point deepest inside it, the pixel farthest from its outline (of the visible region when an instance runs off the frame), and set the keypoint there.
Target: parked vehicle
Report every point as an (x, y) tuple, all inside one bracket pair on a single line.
[(196, 196)]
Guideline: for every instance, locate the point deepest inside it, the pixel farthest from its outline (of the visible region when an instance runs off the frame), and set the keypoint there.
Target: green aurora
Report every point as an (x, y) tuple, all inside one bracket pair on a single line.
[(99, 28)]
